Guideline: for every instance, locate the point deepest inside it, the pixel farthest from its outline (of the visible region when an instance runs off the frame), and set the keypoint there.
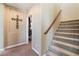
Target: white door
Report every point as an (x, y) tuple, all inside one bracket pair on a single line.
[(14, 36), (13, 33)]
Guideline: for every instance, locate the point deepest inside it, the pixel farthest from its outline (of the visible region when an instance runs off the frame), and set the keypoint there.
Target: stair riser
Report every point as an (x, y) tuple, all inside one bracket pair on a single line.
[(67, 41), (67, 35), (62, 24), (76, 27), (76, 51), (72, 21), (69, 31), (57, 52)]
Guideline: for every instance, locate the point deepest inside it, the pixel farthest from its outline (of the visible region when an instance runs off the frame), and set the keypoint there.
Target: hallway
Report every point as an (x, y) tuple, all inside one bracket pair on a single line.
[(23, 50)]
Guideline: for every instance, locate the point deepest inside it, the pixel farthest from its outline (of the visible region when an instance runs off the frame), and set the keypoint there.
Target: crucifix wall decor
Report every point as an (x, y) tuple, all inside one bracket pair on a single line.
[(17, 21)]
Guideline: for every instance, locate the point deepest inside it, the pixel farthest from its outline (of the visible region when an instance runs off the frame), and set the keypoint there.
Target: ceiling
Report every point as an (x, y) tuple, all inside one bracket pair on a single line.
[(22, 6)]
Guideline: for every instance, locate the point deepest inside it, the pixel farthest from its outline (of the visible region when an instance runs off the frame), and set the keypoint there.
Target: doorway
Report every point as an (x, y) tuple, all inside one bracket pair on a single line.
[(30, 28)]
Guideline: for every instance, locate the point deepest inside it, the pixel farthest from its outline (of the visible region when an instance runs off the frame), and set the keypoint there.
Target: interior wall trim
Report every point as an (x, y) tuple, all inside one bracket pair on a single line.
[(15, 45), (36, 51)]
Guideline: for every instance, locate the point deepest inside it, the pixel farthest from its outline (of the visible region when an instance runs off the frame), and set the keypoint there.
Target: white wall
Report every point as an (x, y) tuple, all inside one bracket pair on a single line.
[(48, 13), (70, 11), (1, 25), (23, 28), (36, 27)]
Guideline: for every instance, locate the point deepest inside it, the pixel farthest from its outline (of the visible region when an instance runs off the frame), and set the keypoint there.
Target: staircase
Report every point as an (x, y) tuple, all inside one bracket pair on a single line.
[(66, 40)]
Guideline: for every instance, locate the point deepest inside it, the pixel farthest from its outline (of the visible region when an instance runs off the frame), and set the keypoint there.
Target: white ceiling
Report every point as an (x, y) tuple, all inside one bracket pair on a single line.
[(22, 6)]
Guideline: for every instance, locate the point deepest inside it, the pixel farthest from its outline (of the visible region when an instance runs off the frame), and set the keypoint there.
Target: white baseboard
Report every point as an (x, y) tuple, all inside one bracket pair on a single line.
[(44, 55), (15, 45), (35, 51), (1, 50)]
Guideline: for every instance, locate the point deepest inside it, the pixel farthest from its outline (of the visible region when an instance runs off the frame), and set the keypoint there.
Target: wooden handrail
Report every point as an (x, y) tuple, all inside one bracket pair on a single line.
[(52, 22)]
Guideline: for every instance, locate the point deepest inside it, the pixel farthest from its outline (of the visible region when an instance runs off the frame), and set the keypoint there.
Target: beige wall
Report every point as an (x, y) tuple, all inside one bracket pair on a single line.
[(48, 13), (12, 35), (70, 11), (1, 26)]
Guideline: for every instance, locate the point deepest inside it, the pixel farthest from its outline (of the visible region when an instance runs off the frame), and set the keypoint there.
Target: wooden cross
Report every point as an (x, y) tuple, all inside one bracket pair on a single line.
[(17, 21)]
